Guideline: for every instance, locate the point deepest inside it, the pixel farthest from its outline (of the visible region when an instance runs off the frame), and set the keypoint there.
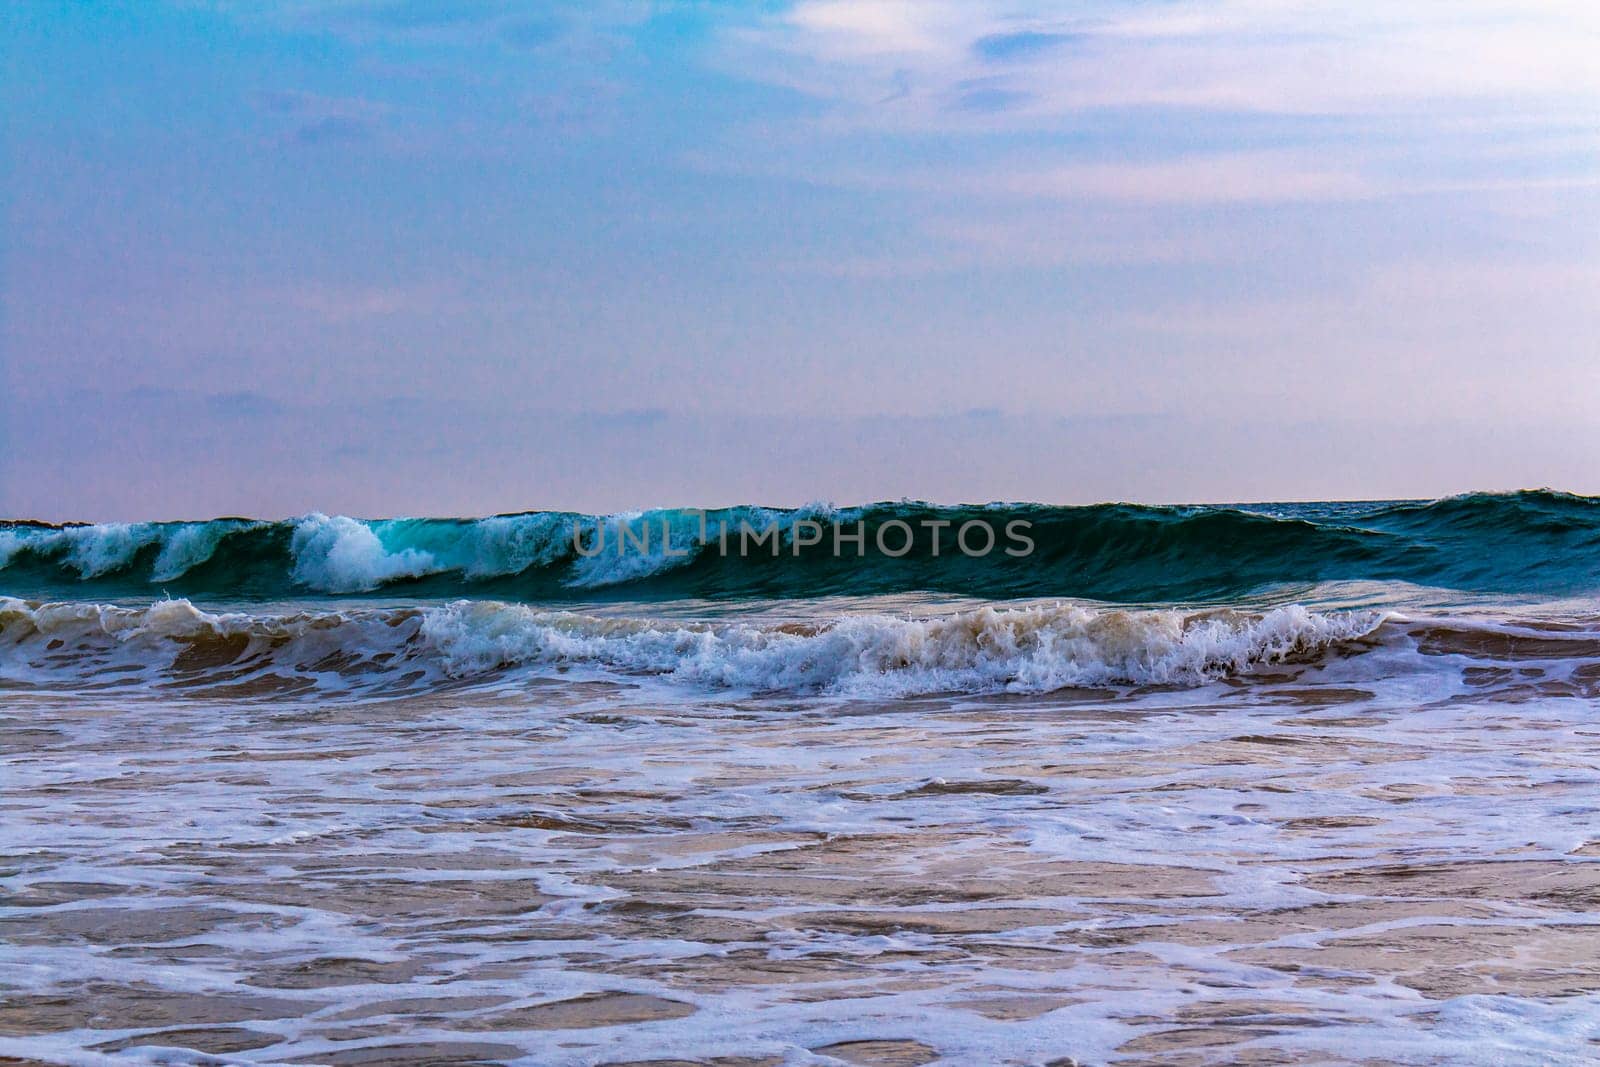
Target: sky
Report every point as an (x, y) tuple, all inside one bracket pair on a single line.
[(461, 256)]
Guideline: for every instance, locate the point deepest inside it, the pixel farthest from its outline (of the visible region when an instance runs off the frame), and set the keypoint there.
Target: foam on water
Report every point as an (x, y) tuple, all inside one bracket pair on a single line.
[(1029, 649), (97, 550), (1037, 649), (188, 545), (1304, 848), (1319, 787), (855, 649), (1536, 544), (341, 555), (510, 544)]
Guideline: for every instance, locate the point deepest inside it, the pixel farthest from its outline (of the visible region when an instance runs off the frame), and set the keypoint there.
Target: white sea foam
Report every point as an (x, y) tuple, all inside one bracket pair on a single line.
[(510, 544), (106, 548), (168, 618), (1092, 876), (97, 550), (1036, 649), (187, 546), (1083, 874), (91, 551), (631, 545), (628, 546), (1024, 649), (80, 644), (11, 542), (336, 554)]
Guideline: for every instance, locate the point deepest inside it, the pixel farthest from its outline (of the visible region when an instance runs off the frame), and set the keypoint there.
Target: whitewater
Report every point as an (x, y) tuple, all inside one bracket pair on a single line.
[(1269, 783), (1529, 543)]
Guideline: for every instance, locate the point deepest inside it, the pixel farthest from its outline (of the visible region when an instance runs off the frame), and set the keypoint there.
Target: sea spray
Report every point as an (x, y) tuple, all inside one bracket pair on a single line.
[(1037, 648), (1531, 543)]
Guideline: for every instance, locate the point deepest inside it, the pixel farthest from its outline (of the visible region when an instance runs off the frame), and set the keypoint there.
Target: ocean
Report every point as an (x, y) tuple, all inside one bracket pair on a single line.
[(904, 783)]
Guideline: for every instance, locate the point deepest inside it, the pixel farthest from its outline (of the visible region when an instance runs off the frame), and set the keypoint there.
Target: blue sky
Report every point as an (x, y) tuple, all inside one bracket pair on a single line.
[(418, 256)]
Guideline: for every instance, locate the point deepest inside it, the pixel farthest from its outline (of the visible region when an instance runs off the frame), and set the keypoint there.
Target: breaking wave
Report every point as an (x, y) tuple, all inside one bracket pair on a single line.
[(1535, 543), (172, 646)]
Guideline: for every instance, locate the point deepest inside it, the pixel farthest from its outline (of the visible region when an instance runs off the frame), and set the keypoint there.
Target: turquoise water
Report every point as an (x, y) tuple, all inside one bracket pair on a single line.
[(1533, 544), (1301, 783)]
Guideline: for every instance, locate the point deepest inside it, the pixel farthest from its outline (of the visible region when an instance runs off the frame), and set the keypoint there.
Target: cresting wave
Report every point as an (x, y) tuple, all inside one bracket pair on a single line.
[(172, 647), (1536, 543)]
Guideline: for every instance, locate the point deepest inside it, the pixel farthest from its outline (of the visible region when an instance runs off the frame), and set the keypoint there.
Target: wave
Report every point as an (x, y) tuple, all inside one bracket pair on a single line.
[(1532, 542), (171, 645)]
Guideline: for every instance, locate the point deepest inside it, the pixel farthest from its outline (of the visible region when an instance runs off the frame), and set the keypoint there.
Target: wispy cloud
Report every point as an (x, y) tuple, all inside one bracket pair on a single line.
[(986, 96), (320, 120), (1183, 105), (421, 14), (1021, 45), (533, 32), (816, 205), (1242, 177), (466, 23), (1313, 57), (343, 303)]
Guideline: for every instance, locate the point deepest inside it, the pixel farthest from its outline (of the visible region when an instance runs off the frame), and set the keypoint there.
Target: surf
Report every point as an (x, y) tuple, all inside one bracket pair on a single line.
[(1532, 543)]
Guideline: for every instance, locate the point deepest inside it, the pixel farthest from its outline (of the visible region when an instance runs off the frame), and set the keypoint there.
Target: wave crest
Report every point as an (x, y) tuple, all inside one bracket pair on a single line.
[(1025, 649), (1534, 543), (1030, 650)]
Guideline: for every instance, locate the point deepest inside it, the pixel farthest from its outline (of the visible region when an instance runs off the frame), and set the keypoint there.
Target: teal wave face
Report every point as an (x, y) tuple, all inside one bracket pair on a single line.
[(1536, 543)]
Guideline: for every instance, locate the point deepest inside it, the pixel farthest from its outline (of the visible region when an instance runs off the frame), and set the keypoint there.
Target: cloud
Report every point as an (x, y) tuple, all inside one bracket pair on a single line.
[(321, 120), (341, 304), (333, 129), (986, 97), (966, 117), (1242, 177), (1309, 58), (869, 27), (244, 404), (425, 14), (1023, 44), (1194, 179), (468, 23), (532, 32)]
